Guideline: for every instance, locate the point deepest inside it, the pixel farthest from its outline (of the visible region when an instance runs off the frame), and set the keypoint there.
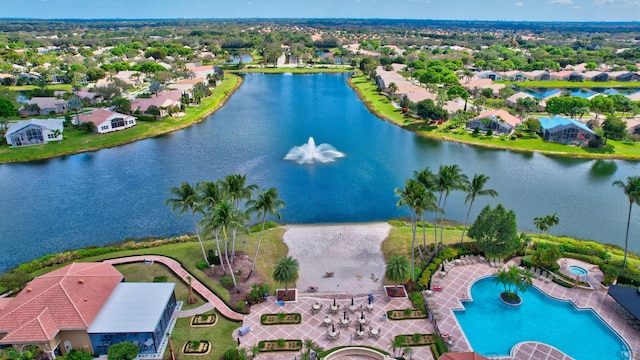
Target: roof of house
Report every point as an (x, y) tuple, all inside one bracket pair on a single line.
[(67, 298), (504, 115), (628, 297), (47, 102), (535, 73), (132, 308), (519, 95), (549, 123), (635, 96), (562, 73), (164, 98), (592, 73), (97, 117), (51, 124)]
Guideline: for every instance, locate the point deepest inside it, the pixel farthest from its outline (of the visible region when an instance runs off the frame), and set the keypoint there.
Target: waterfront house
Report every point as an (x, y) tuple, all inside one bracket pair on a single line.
[(596, 76), (34, 132), (539, 75), (624, 76), (512, 101), (515, 75), (86, 306), (105, 121), (499, 121), (564, 130), (567, 75), (163, 100)]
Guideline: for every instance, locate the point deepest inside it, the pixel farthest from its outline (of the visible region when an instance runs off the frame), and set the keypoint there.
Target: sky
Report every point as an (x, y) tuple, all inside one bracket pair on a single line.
[(509, 10)]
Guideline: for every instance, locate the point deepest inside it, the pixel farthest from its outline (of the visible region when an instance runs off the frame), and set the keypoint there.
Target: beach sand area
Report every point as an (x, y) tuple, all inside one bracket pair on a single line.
[(351, 251)]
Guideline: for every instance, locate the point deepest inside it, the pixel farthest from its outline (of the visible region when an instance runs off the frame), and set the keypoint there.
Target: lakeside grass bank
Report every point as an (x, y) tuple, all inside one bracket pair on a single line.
[(78, 141), (381, 106), (570, 84), (295, 70)]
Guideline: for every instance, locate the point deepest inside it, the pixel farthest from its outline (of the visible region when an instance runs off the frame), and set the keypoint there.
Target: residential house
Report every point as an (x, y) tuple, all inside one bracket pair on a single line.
[(512, 101), (567, 75), (488, 74), (564, 130), (204, 70), (411, 89), (34, 132), (186, 85), (475, 85), (515, 75), (633, 126), (105, 121), (625, 76), (7, 79), (635, 96), (162, 101), (596, 76), (86, 306), (47, 105), (539, 75), (499, 121)]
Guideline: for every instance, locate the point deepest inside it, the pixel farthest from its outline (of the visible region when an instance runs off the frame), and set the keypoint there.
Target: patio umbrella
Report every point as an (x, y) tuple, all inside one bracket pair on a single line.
[(369, 300), (345, 314), (351, 301), (334, 302), (333, 328), (362, 315), (361, 328)]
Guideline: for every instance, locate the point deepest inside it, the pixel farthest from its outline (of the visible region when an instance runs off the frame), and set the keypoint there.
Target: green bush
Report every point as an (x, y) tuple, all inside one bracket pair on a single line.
[(424, 279), (610, 274), (448, 253), (202, 265), (417, 301), (587, 258), (226, 281), (232, 354), (240, 305), (267, 225), (562, 283), (160, 279), (123, 351), (440, 345), (437, 262), (213, 258), (396, 223), (629, 276)]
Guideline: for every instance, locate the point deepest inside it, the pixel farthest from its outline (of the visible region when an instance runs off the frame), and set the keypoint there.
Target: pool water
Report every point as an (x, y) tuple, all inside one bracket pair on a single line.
[(577, 270), (495, 328)]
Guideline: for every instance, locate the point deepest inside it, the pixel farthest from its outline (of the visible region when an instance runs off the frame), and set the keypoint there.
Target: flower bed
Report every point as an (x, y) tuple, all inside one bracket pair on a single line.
[(396, 292), (417, 339), (196, 347), (280, 319), (289, 295), (509, 299), (406, 314), (280, 345), (206, 319)]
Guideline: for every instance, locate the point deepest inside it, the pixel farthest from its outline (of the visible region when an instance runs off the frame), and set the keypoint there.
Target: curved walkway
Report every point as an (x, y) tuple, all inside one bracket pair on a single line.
[(183, 274)]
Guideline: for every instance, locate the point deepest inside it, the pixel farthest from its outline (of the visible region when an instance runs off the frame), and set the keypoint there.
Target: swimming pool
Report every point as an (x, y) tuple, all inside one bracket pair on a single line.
[(578, 270), (493, 327)]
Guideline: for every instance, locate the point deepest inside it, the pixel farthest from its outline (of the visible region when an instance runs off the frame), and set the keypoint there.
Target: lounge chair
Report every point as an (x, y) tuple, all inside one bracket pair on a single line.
[(549, 277), (542, 275)]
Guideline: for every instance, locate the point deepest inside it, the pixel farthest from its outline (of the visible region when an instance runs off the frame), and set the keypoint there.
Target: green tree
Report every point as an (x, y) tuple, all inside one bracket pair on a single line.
[(7, 108), (122, 105), (286, 271), (411, 196), (186, 198), (428, 179), (123, 351), (526, 105), (237, 189), (496, 231), (614, 128), (458, 91), (155, 87), (15, 279), (551, 220), (632, 190), (541, 224), (428, 110), (601, 104), (475, 188), (398, 269), (448, 179), (266, 202), (546, 256), (210, 195), (533, 125), (75, 104), (514, 281)]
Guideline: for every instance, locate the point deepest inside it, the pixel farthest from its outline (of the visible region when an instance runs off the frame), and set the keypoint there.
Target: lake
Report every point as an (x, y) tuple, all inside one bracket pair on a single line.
[(106, 196)]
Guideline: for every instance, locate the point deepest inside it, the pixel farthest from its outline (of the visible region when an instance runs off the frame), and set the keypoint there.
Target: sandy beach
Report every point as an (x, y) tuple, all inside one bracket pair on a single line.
[(351, 251)]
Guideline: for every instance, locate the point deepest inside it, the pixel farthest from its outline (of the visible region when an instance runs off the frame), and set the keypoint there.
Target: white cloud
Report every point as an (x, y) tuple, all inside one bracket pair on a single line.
[(602, 2), (566, 2), (519, 3)]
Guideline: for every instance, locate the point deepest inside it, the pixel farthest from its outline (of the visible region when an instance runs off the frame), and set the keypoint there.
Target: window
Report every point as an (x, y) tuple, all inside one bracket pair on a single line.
[(130, 122), (34, 136), (117, 122), (104, 127), (51, 136)]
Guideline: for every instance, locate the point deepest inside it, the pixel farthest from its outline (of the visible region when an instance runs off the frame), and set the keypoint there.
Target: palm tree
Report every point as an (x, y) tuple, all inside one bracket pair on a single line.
[(397, 342), (541, 224), (475, 188), (223, 218), (427, 178), (255, 351), (267, 202), (236, 188), (632, 189), (211, 193), (286, 271), (186, 198), (448, 179), (411, 197), (551, 220), (75, 104), (397, 269)]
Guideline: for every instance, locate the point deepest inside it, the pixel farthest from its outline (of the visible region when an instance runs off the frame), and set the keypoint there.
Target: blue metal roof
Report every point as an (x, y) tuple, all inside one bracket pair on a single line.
[(550, 123)]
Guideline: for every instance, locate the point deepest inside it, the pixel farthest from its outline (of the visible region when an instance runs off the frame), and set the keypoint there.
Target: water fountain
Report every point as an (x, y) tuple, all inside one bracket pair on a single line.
[(309, 153)]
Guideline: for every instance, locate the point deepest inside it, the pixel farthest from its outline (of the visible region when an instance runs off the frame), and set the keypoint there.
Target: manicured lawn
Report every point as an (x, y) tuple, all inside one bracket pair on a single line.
[(570, 84), (76, 141), (399, 240), (55, 87), (219, 335)]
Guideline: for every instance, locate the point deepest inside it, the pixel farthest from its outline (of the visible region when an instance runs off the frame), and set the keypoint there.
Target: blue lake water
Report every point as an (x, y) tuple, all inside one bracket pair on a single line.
[(112, 194), (494, 328)]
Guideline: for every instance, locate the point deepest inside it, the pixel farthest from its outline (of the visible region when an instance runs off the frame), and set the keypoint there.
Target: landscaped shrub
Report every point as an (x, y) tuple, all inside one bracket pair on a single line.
[(123, 351), (587, 258), (226, 281), (201, 265), (489, 132), (160, 279), (610, 274), (240, 305), (267, 225), (396, 223), (424, 279), (213, 258), (417, 301), (440, 345), (231, 354), (629, 276), (448, 253), (561, 282)]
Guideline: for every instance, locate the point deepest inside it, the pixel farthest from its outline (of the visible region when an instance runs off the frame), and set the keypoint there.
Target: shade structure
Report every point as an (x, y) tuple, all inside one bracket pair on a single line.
[(627, 297)]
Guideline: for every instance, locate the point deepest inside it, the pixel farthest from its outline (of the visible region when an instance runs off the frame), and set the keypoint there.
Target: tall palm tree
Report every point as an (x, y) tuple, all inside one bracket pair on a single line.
[(551, 220), (212, 193), (475, 188), (267, 202), (186, 198), (237, 189), (448, 179), (223, 218), (632, 189), (541, 224), (428, 179), (411, 197), (286, 271)]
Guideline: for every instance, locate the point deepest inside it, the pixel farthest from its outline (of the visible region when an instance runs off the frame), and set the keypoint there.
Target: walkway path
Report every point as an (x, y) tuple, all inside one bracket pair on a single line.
[(183, 274), (191, 312)]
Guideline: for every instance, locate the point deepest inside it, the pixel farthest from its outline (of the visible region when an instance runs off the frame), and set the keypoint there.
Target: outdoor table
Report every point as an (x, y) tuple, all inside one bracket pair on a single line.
[(360, 334), (370, 307), (362, 321), (333, 334), (334, 308), (457, 261), (316, 306), (327, 321), (374, 332), (352, 308), (344, 322)]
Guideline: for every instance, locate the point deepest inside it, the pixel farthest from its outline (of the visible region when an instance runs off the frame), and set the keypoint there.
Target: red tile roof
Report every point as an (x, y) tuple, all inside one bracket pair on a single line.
[(97, 117), (504, 115), (67, 298)]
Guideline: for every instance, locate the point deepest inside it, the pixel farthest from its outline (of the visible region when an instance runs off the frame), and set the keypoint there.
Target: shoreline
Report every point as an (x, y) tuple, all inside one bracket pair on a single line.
[(200, 115), (440, 137)]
